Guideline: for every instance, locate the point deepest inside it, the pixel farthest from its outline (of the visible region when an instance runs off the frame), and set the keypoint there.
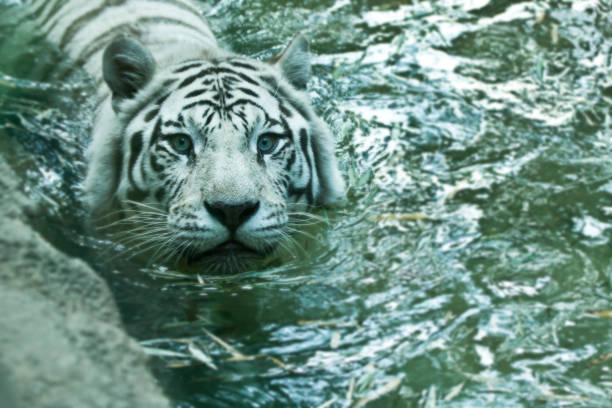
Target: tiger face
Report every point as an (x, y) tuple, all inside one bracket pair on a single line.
[(211, 160)]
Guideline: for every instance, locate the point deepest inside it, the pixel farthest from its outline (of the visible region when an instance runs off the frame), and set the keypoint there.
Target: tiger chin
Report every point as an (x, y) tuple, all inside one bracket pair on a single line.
[(200, 159)]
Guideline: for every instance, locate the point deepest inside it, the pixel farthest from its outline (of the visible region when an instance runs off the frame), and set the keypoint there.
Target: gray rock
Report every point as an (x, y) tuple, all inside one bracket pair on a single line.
[(61, 340)]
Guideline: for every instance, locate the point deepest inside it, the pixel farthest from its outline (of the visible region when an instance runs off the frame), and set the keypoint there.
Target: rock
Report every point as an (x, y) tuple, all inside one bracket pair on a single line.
[(61, 340)]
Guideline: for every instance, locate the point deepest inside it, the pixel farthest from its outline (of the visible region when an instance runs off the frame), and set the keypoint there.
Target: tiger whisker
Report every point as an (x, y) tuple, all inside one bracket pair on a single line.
[(290, 244), (139, 204), (162, 250), (148, 235), (300, 232), (305, 215)]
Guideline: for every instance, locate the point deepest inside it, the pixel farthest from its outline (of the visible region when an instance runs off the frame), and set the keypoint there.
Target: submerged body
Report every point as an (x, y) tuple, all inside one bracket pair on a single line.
[(204, 156)]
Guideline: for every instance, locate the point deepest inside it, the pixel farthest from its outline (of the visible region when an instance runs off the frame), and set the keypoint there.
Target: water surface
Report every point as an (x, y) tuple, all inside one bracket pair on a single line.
[(471, 266)]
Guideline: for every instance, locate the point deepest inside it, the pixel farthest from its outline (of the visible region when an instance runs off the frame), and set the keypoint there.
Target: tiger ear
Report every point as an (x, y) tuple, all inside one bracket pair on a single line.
[(294, 62), (127, 66)]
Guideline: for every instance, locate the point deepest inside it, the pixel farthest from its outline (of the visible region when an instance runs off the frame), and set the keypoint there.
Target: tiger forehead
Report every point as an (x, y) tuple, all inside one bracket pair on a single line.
[(228, 73), (220, 88)]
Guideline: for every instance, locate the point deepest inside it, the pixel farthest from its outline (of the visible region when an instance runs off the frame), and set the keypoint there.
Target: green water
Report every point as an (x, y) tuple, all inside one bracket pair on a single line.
[(472, 266)]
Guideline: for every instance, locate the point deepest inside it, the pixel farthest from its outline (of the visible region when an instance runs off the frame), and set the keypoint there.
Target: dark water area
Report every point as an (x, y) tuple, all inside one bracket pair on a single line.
[(472, 265)]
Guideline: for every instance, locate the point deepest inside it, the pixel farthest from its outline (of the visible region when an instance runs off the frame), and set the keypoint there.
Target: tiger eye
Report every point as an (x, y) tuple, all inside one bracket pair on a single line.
[(266, 143), (181, 143)]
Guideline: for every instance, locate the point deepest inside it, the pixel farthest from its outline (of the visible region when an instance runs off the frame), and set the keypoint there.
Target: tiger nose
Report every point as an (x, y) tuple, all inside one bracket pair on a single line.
[(232, 215)]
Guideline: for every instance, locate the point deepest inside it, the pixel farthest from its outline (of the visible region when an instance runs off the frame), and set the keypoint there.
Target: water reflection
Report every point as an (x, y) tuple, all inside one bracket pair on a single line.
[(472, 265)]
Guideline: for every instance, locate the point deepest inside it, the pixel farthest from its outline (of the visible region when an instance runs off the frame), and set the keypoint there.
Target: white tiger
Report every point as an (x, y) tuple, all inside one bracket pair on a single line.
[(207, 155)]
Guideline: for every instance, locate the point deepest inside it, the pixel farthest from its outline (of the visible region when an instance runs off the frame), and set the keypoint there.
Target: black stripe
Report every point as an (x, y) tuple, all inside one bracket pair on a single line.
[(155, 164), (286, 112), (160, 194), (103, 40), (295, 192), (151, 114), (36, 39), (162, 99), (202, 103), (137, 195), (135, 149), (273, 215), (118, 159), (229, 80), (197, 92), (279, 90), (189, 80), (52, 9), (244, 101), (295, 105), (213, 71), (52, 26), (72, 29), (168, 82), (248, 92), (285, 181), (242, 64), (270, 80), (156, 133), (278, 153), (177, 189), (174, 123), (274, 122), (290, 161), (173, 155), (143, 104), (247, 79), (243, 119), (317, 158), (304, 144), (199, 74), (184, 6), (35, 13), (187, 67), (269, 228), (209, 118)]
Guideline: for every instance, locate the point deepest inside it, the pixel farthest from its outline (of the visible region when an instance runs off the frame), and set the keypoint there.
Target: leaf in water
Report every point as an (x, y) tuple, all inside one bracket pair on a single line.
[(238, 356), (235, 353), (349, 392), (398, 217), (601, 360), (157, 352), (335, 340), (279, 363), (454, 392), (606, 314), (324, 323), (328, 403), (431, 401), (199, 355), (554, 34)]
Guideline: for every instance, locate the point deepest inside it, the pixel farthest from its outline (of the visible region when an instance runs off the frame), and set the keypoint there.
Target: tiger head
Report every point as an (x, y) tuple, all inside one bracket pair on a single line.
[(209, 162)]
